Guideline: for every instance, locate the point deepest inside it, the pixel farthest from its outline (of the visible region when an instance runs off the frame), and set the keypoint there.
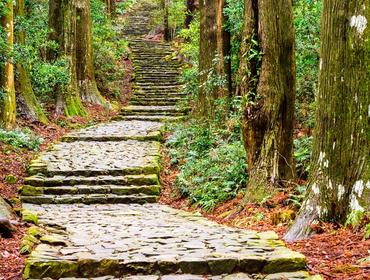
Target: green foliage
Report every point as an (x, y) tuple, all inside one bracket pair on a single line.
[(21, 139), (212, 162), (46, 75), (367, 231), (234, 13), (302, 155), (354, 218), (307, 27), (108, 50), (123, 6), (190, 50)]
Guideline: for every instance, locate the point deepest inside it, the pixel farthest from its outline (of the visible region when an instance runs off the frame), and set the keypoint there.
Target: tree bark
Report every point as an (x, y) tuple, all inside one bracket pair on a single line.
[(166, 28), (223, 50), (340, 167), (84, 57), (62, 22), (24, 86), (190, 9), (207, 52), (8, 104), (268, 87)]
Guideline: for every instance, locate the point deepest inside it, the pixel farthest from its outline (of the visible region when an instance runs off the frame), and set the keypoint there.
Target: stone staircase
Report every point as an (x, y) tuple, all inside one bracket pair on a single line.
[(95, 195), (157, 94)]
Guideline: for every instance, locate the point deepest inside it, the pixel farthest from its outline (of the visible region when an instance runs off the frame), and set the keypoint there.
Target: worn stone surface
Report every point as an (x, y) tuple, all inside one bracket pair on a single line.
[(150, 239), (7, 218), (118, 131), (99, 158)]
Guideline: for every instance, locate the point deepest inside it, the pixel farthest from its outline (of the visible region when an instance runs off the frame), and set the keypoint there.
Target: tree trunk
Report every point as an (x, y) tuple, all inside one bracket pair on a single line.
[(190, 9), (108, 8), (166, 28), (8, 104), (207, 52), (223, 50), (24, 87), (340, 167), (113, 7), (268, 87), (62, 22), (84, 56)]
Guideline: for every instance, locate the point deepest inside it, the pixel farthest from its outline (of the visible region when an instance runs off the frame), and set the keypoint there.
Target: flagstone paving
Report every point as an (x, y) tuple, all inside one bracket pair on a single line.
[(95, 197)]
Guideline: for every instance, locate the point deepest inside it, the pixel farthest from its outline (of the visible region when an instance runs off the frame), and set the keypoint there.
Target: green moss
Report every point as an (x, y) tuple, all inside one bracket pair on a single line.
[(54, 269), (35, 231), (31, 191), (30, 217), (11, 179)]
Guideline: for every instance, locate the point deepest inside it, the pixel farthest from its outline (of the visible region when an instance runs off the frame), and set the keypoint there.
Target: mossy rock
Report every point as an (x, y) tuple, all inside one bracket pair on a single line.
[(11, 179), (36, 231), (54, 269), (30, 191), (285, 260)]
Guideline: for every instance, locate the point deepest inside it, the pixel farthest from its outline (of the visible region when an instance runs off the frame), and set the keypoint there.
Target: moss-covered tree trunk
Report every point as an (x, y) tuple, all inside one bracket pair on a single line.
[(84, 56), (340, 168), (108, 7), (268, 87), (190, 10), (7, 102), (207, 52), (62, 23), (31, 107), (166, 27), (223, 50)]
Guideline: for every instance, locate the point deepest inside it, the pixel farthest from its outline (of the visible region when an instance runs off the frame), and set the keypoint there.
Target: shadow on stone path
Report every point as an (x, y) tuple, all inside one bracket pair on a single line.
[(95, 195)]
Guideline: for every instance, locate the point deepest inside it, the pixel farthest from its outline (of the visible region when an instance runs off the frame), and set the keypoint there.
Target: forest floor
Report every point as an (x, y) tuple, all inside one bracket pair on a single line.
[(333, 252)]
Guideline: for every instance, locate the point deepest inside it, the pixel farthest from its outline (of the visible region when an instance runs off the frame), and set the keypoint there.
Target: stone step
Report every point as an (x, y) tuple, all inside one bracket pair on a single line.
[(153, 110), (159, 94), (296, 275), (90, 199), (152, 102), (122, 239), (118, 131), (156, 118), (91, 159), (89, 189), (56, 181)]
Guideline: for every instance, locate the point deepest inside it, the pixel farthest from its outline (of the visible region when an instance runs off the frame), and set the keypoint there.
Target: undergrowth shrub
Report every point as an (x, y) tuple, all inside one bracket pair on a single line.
[(24, 138), (212, 162)]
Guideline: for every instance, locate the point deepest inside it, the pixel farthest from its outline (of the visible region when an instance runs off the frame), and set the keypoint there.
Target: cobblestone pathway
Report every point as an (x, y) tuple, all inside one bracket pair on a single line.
[(95, 196)]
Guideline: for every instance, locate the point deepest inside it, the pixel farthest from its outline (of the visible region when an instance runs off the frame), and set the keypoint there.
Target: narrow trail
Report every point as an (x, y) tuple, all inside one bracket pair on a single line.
[(95, 195)]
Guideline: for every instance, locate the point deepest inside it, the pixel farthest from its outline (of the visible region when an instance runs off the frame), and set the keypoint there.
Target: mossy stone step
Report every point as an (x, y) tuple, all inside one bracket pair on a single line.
[(152, 102), (91, 159), (89, 189), (297, 275), (90, 199), (155, 118), (138, 180)]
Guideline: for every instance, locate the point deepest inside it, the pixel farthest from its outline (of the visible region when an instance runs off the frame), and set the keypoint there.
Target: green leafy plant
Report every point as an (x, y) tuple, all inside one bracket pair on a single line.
[(212, 163), (21, 139)]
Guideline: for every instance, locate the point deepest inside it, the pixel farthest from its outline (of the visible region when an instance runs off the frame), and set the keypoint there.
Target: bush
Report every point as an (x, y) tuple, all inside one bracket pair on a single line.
[(21, 139), (212, 163)]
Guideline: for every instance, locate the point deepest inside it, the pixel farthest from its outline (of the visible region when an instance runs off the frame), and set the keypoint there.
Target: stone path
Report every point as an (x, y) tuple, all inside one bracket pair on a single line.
[(95, 196)]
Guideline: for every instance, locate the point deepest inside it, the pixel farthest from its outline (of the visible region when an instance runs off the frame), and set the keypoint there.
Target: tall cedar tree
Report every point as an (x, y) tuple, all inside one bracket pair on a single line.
[(8, 104), (268, 86), (214, 44), (84, 56), (340, 167), (62, 23), (166, 28), (30, 106)]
